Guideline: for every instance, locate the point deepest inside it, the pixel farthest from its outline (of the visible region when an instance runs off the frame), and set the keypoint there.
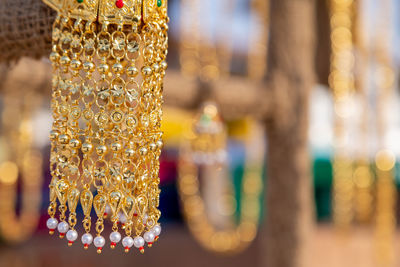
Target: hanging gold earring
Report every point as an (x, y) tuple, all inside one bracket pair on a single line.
[(109, 64), (206, 151)]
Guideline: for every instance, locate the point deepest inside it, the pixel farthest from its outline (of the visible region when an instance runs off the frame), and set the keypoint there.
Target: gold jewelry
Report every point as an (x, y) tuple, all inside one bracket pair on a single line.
[(21, 161), (341, 80), (207, 148), (386, 193), (363, 176), (104, 109), (207, 63)]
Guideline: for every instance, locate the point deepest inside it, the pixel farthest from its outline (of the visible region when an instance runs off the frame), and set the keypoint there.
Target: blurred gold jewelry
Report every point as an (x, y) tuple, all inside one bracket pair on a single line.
[(109, 63), (21, 161), (207, 150), (386, 193), (363, 176), (341, 80)]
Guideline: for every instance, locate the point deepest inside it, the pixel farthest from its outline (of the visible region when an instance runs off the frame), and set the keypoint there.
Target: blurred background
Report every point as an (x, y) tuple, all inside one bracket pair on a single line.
[(224, 61)]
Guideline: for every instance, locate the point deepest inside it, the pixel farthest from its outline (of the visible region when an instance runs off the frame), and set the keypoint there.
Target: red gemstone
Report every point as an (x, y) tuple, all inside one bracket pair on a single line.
[(119, 3)]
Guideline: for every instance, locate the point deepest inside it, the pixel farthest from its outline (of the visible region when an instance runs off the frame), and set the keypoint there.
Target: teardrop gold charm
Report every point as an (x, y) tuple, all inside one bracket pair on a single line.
[(141, 205), (62, 187), (73, 198), (116, 200), (53, 193), (99, 204), (129, 207), (86, 202)]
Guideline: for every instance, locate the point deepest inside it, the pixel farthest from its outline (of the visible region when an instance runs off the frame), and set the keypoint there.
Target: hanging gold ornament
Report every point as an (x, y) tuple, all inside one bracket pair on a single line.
[(108, 67), (206, 153), (341, 80)]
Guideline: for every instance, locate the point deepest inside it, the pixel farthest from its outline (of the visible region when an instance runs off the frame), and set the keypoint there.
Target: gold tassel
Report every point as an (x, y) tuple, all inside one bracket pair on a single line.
[(109, 63)]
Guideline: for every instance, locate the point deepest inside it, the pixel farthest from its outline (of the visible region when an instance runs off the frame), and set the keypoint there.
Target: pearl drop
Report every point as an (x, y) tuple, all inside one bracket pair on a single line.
[(52, 223), (99, 242), (138, 242), (115, 237), (127, 242), (156, 230), (87, 239), (72, 235), (63, 227), (149, 237)]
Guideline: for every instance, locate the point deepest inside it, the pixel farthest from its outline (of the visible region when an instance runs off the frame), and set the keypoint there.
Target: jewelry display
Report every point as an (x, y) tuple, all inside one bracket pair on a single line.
[(109, 63)]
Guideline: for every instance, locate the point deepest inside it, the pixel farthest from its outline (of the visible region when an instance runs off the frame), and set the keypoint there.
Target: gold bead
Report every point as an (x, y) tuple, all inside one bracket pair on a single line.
[(75, 143), (88, 66), (65, 60), (143, 151), (116, 147), (54, 56), (98, 250), (159, 144), (103, 68), (117, 67), (156, 67), (75, 64), (101, 150), (129, 152), (87, 147), (63, 139), (153, 147), (164, 65), (147, 71), (127, 250), (132, 71), (54, 134)]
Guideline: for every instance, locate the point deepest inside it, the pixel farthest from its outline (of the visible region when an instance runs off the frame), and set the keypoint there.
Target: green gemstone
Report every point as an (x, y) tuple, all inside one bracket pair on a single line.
[(159, 3), (79, 1)]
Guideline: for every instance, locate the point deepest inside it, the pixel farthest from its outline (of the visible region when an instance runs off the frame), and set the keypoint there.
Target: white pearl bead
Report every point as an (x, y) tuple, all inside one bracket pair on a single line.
[(115, 237), (156, 230), (138, 242), (87, 239), (127, 242), (52, 223), (99, 242), (63, 227), (72, 235), (149, 237)]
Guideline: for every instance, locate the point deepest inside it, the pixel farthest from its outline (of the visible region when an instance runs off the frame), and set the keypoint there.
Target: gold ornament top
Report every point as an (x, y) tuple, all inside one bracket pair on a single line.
[(110, 11)]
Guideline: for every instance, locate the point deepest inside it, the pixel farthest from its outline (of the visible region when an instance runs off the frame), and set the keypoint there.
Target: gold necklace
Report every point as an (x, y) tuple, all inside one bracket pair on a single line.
[(208, 149), (108, 69), (22, 161)]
